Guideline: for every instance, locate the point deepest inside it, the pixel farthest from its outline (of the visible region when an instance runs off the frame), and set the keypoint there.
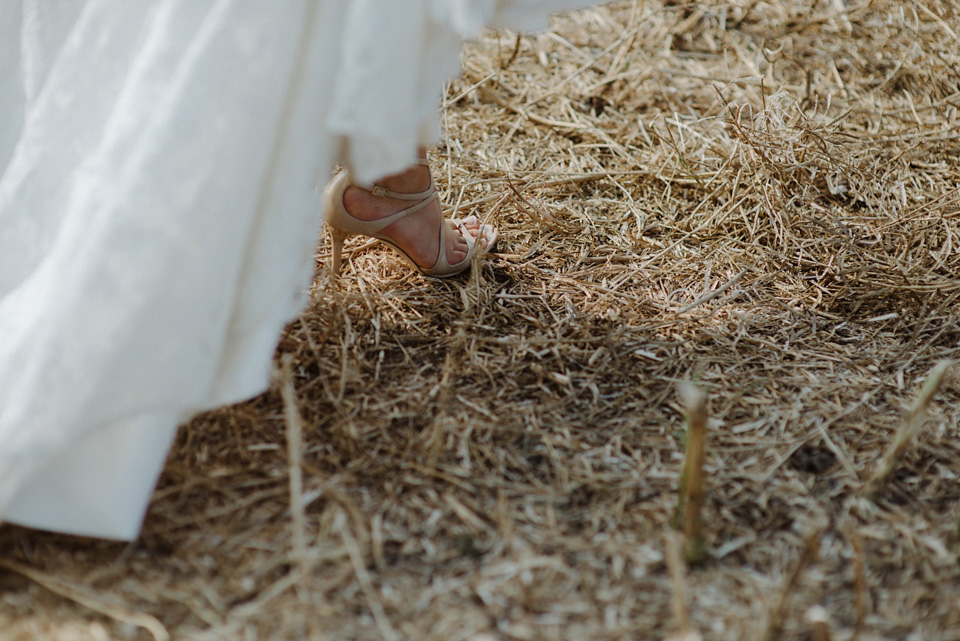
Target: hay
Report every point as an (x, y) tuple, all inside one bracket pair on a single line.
[(758, 196)]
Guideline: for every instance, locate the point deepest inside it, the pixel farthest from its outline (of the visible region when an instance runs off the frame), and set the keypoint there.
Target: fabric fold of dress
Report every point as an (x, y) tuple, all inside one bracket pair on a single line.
[(159, 169)]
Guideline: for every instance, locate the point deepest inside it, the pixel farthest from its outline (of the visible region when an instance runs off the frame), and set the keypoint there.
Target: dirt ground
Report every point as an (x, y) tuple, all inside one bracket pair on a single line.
[(759, 200)]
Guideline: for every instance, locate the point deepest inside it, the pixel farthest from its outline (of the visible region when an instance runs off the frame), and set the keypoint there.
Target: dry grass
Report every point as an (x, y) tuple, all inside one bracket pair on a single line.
[(758, 197)]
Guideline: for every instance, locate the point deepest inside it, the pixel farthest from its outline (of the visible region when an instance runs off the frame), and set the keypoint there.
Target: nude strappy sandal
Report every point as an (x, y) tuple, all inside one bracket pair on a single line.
[(343, 225)]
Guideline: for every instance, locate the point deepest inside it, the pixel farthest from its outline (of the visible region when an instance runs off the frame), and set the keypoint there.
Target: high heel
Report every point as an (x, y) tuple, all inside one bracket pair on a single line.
[(337, 237), (342, 225)]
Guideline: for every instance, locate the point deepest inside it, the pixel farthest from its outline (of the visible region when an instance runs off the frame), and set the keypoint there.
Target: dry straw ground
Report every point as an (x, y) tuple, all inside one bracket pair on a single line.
[(760, 198)]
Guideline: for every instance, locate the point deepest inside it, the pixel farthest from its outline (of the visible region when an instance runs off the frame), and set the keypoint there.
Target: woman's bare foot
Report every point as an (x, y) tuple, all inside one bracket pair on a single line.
[(416, 232)]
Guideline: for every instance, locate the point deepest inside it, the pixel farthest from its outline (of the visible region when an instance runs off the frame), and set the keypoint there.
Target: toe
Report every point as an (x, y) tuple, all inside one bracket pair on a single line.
[(472, 225), (457, 246)]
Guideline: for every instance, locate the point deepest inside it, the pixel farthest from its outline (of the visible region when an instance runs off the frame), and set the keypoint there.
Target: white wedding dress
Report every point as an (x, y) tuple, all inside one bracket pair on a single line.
[(159, 168)]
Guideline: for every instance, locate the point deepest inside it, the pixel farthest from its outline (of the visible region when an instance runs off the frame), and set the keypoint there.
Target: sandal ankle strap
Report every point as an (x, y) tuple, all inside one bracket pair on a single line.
[(377, 190)]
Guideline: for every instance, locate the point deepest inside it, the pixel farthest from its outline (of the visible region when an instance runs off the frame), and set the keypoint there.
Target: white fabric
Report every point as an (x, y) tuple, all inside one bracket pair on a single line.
[(159, 163)]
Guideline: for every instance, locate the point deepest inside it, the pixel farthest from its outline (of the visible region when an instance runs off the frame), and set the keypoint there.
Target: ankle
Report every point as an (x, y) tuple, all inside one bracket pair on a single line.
[(410, 181)]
